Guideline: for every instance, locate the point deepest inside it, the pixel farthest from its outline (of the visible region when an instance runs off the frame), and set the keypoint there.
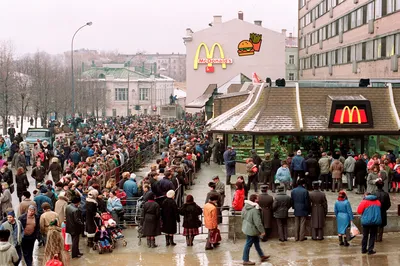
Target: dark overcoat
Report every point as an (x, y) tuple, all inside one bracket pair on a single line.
[(170, 216), (151, 219), (265, 201), (319, 208), (91, 210), (190, 213)]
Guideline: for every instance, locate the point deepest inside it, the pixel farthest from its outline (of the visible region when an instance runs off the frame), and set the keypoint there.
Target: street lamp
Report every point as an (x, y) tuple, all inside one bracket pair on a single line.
[(72, 69)]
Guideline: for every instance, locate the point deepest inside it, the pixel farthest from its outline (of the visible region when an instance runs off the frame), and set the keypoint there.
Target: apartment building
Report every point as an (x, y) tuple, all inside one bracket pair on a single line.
[(291, 54), (349, 39)]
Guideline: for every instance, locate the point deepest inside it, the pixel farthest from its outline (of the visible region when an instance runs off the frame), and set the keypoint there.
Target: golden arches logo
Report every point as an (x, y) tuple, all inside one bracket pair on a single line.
[(209, 60), (347, 108)]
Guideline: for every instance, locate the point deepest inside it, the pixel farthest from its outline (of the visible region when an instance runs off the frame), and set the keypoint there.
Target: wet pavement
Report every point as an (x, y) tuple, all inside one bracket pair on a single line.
[(310, 253)]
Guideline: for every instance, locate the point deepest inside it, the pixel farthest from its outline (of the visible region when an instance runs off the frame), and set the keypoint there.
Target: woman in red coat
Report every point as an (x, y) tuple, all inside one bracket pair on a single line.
[(238, 198)]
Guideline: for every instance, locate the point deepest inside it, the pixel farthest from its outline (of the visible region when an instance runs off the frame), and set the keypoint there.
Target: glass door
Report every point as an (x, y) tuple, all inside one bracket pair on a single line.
[(346, 144)]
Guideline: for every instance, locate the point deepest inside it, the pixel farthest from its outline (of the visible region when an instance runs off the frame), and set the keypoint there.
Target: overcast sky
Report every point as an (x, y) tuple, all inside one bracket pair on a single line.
[(127, 25)]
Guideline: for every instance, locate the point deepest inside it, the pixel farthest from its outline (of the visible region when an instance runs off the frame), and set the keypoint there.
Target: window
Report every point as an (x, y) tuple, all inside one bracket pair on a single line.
[(334, 56), (322, 8), (334, 27), (359, 51), (353, 53), (339, 57), (378, 8), (364, 51), (349, 54), (302, 3), (344, 55), (291, 59), (370, 50), (390, 46), (389, 6), (144, 94), (370, 11), (346, 23), (397, 5), (121, 94), (308, 18), (114, 112), (329, 30), (360, 13), (334, 3), (378, 48), (397, 44), (353, 17), (291, 76)]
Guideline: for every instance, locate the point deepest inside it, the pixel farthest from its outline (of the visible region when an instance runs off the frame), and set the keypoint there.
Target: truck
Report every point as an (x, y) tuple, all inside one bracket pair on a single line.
[(43, 134)]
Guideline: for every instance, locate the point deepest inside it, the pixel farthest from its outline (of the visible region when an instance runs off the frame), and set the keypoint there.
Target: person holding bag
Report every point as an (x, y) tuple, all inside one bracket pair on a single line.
[(344, 216), (211, 222)]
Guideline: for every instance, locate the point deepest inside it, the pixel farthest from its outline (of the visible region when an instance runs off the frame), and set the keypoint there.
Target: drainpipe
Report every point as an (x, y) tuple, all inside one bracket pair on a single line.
[(299, 115), (394, 109)]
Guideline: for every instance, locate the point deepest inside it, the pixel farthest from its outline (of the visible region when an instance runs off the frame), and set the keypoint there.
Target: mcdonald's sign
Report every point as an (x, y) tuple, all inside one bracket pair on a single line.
[(209, 60), (351, 115)]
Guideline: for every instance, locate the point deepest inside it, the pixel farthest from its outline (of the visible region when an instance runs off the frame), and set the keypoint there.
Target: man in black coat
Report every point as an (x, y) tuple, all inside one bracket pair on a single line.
[(313, 171), (384, 198), (74, 227)]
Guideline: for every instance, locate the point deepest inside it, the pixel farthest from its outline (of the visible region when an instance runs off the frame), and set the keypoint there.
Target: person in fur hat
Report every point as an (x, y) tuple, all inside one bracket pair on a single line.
[(91, 215)]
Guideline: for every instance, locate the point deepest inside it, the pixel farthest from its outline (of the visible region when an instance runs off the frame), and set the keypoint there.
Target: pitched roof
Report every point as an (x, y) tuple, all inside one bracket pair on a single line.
[(276, 111), (200, 101), (117, 73)]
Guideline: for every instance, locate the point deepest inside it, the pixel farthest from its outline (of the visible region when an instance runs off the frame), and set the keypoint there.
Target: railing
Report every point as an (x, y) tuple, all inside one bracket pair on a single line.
[(132, 164)]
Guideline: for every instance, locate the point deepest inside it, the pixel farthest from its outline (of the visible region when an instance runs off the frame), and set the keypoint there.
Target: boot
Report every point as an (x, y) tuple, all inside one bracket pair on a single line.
[(346, 244), (341, 241), (191, 240), (167, 240), (90, 242), (148, 242), (188, 241), (171, 240), (153, 243)]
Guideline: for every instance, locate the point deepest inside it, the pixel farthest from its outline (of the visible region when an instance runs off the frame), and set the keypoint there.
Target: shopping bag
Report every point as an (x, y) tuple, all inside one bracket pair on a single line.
[(215, 236), (353, 230), (68, 239), (54, 262)]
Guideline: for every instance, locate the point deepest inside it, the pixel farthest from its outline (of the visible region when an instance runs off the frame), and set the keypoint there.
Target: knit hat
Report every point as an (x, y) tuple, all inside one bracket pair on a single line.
[(43, 190), (170, 194), (133, 176), (93, 194), (11, 213)]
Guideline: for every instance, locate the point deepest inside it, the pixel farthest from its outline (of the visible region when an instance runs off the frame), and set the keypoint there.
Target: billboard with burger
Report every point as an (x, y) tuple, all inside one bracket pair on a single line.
[(249, 47)]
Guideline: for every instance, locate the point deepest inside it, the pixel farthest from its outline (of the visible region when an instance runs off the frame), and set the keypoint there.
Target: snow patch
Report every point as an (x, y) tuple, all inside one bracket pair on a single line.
[(252, 123)]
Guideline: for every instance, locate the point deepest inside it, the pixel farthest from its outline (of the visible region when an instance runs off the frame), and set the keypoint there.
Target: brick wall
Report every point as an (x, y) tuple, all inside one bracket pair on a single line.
[(222, 105)]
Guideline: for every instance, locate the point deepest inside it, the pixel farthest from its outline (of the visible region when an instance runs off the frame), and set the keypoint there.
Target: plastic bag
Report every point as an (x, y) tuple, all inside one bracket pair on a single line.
[(54, 262), (353, 230)]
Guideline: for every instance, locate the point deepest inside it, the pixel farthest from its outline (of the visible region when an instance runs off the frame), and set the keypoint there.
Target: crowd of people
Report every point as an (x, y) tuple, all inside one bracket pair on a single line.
[(73, 185)]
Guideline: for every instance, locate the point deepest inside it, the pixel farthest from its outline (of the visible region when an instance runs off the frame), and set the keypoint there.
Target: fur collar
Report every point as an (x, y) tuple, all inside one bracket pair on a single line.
[(254, 204), (91, 200)]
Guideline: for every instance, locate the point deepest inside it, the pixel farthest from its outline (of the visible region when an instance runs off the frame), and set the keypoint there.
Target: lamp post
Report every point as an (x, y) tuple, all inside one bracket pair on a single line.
[(72, 72)]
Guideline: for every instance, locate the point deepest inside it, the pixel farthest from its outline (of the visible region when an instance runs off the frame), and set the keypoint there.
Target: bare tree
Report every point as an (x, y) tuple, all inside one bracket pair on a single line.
[(23, 87), (6, 81)]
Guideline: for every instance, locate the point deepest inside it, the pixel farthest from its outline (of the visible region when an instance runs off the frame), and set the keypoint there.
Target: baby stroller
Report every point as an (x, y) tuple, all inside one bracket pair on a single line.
[(102, 239), (116, 233), (138, 210)]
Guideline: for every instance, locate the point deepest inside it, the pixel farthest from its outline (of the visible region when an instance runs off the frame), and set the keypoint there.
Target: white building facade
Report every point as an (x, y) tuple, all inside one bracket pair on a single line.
[(128, 92)]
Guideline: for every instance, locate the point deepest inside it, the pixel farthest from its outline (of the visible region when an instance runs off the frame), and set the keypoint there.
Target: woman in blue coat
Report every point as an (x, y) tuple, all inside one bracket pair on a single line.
[(344, 215)]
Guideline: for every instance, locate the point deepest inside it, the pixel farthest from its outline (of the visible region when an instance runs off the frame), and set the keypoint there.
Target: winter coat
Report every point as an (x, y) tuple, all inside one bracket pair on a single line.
[(312, 167), (8, 254), (165, 185), (384, 199), (319, 208), (7, 177), (35, 235), (300, 201), (371, 182), (210, 216), (324, 165), (46, 218), (170, 216), (281, 205), (60, 206), (283, 175), (131, 188), (6, 200), (190, 213), (265, 169), (74, 220), (91, 211), (344, 215), (22, 184), (39, 173), (114, 204), (19, 161), (336, 169), (56, 171), (349, 164), (275, 164), (360, 172), (238, 200), (15, 238), (251, 219), (370, 210), (230, 163), (297, 163), (214, 192), (265, 201), (151, 219), (40, 199)]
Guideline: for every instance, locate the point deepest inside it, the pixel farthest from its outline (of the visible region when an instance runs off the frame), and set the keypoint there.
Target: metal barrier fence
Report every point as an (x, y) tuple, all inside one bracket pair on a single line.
[(132, 164)]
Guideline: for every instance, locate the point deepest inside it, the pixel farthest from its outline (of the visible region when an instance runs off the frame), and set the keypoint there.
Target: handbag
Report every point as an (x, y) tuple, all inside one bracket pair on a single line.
[(215, 236), (354, 231), (54, 262)]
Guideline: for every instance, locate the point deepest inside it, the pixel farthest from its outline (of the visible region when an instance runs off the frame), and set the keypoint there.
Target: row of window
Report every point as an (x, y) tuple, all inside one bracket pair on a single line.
[(379, 48), (121, 94), (318, 11)]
